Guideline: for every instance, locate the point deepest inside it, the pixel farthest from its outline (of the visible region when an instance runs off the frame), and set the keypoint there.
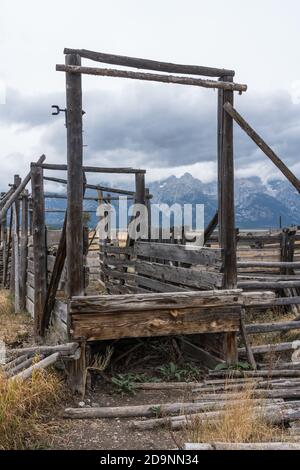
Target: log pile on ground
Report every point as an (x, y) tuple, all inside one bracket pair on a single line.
[(273, 396), (22, 362)]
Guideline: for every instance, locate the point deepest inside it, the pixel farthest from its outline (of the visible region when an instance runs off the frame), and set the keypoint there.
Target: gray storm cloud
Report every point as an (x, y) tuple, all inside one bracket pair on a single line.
[(157, 127)]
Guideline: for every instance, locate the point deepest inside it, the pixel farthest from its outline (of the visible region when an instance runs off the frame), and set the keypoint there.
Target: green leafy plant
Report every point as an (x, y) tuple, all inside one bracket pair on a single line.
[(172, 371), (237, 366), (125, 383)]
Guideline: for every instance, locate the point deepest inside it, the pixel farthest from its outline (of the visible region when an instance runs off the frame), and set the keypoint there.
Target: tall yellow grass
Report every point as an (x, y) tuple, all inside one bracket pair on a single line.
[(240, 422), (23, 405)]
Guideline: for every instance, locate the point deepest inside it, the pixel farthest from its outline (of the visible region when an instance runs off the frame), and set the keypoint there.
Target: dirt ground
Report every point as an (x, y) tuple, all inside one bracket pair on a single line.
[(101, 434), (143, 363)]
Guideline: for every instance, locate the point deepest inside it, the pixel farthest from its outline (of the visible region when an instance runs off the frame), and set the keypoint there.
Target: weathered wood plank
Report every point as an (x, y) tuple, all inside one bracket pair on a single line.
[(138, 302), (268, 284), (157, 323), (31, 266), (179, 253), (30, 279), (158, 286), (30, 307), (115, 249), (255, 328), (188, 277), (59, 320), (112, 261), (268, 264), (258, 298), (269, 348), (30, 292)]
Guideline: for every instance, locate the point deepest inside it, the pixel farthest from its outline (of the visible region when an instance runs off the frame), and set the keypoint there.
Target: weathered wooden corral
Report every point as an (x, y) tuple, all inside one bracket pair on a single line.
[(151, 288)]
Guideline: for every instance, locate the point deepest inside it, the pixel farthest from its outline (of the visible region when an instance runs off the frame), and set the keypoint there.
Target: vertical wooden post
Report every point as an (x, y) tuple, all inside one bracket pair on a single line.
[(39, 247), (17, 182), (8, 252), (226, 189), (101, 242), (85, 255), (4, 248), (226, 212), (16, 262), (287, 247), (16, 214), (219, 149), (74, 235), (140, 189), (30, 215), (23, 249), (75, 180), (148, 205)]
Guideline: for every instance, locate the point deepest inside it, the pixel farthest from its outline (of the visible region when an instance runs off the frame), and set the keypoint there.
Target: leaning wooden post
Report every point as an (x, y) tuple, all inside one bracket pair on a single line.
[(226, 216), (23, 249), (39, 246), (74, 235), (262, 145), (210, 227)]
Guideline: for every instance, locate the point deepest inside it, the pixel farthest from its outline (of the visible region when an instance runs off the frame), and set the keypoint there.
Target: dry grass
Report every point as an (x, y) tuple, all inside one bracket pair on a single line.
[(275, 314), (240, 422), (14, 328), (24, 407)]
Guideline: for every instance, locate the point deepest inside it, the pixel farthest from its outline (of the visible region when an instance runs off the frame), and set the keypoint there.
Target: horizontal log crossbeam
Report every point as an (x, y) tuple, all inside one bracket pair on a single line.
[(152, 77), (92, 186), (147, 64), (93, 169)]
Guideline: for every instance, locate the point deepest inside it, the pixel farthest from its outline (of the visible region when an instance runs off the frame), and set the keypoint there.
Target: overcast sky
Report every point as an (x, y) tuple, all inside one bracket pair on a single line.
[(168, 129)]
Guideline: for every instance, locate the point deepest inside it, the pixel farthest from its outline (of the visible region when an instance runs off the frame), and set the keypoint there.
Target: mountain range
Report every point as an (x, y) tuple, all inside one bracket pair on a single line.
[(258, 204)]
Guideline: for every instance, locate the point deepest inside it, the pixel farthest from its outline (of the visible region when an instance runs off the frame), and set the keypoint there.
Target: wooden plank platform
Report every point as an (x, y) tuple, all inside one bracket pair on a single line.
[(140, 315)]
